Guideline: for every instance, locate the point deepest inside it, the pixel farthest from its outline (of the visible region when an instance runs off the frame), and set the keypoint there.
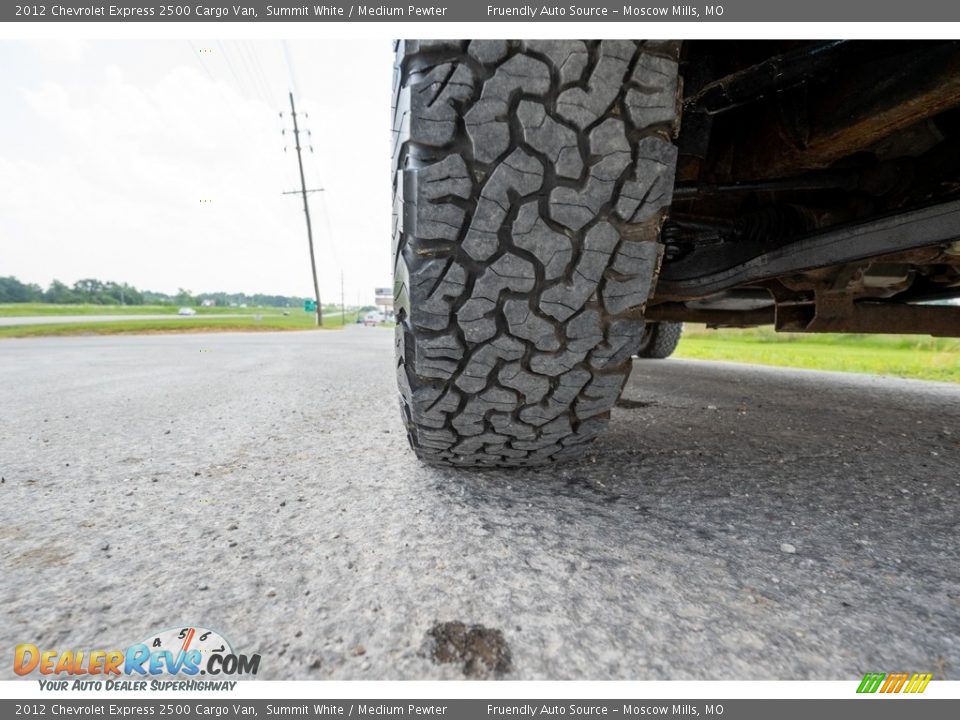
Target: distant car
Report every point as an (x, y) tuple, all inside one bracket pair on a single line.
[(186, 311), (372, 318)]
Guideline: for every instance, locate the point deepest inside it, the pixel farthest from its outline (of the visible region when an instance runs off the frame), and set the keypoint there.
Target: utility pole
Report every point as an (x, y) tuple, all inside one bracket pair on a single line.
[(306, 211), (343, 307)]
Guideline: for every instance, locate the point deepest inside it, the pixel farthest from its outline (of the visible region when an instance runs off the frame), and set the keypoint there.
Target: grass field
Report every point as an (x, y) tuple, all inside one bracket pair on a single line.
[(909, 356), (201, 322)]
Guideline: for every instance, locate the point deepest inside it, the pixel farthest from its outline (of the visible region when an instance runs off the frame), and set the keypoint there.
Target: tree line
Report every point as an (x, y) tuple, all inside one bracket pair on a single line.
[(96, 292)]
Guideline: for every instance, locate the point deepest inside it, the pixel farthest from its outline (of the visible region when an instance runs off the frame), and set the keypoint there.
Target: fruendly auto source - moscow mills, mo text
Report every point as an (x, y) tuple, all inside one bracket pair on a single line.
[(595, 11)]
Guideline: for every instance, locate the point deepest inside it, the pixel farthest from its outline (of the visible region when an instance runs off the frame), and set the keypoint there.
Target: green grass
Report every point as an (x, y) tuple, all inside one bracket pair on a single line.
[(908, 356), (197, 323)]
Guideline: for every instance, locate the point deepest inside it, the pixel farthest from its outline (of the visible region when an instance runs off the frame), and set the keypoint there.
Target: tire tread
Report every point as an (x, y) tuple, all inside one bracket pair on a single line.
[(530, 182)]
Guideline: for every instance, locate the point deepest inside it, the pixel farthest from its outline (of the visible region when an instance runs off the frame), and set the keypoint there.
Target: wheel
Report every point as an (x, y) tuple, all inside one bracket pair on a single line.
[(531, 180), (660, 339)]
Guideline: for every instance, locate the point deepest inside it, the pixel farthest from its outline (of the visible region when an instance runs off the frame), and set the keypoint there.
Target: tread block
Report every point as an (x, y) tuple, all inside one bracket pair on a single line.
[(547, 136), (553, 249), (487, 51), (474, 376), (533, 387), (438, 357), (433, 118), (520, 174), (568, 57), (526, 325), (653, 96), (651, 188), (635, 264), (583, 106), (562, 301), (575, 208), (622, 342), (487, 121)]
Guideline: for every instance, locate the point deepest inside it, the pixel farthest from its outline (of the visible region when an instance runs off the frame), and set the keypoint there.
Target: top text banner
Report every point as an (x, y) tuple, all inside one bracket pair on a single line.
[(478, 11)]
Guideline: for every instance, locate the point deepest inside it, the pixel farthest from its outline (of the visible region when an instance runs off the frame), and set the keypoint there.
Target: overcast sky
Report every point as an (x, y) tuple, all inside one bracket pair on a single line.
[(107, 149)]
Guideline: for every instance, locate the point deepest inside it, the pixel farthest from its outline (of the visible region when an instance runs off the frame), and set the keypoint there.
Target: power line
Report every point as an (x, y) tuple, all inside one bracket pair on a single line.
[(196, 54), (240, 85), (293, 77), (258, 67), (255, 81)]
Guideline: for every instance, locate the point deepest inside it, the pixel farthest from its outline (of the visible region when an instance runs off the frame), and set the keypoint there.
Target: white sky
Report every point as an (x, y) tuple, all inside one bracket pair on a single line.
[(108, 147)]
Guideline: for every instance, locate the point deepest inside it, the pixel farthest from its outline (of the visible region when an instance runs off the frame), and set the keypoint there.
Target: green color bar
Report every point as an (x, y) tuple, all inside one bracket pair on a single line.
[(871, 682)]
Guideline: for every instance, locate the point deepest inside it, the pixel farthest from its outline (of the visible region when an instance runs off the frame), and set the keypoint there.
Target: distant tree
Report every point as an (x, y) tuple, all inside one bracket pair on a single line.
[(184, 297), (14, 291), (131, 295), (89, 289), (94, 291), (156, 298), (60, 294), (112, 294), (224, 299)]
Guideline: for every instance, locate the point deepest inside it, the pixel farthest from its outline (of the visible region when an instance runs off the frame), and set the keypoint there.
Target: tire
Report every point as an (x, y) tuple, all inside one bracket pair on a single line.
[(531, 179), (660, 339)]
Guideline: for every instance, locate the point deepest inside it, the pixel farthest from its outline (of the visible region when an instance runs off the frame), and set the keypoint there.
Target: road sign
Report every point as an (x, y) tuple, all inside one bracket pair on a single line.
[(310, 306)]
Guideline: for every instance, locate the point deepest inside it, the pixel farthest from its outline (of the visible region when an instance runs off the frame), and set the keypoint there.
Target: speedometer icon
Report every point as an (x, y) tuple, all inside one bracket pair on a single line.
[(180, 641)]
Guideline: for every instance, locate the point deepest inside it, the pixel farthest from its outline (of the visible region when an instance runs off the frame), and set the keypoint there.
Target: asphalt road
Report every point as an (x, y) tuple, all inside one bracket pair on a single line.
[(736, 522)]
